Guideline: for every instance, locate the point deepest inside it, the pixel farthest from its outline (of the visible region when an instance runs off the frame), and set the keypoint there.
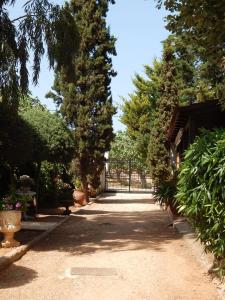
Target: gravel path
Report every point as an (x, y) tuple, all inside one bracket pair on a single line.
[(125, 235)]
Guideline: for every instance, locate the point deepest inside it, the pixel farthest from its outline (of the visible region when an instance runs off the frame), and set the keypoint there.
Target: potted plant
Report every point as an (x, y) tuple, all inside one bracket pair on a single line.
[(78, 194), (11, 208)]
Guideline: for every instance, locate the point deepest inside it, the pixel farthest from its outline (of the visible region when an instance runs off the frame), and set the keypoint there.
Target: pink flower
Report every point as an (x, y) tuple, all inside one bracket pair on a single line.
[(18, 205)]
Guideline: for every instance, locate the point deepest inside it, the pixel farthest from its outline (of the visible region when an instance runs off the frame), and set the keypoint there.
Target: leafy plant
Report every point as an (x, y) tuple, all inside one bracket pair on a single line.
[(200, 190), (165, 192), (14, 201)]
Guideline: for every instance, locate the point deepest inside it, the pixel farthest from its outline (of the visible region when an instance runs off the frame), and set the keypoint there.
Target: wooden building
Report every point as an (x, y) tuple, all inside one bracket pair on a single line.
[(185, 125)]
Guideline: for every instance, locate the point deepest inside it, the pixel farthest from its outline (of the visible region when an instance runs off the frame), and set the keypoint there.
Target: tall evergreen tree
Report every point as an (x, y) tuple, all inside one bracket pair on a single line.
[(139, 106), (178, 85), (85, 101), (157, 153)]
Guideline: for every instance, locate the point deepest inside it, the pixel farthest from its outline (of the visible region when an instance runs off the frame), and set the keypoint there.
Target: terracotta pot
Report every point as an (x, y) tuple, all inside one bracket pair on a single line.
[(10, 222), (79, 197)]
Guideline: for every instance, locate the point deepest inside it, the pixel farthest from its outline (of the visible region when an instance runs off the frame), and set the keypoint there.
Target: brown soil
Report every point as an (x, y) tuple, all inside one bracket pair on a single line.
[(126, 232)]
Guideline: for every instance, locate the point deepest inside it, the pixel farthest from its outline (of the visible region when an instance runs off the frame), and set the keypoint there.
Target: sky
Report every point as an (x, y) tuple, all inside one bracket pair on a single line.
[(139, 28)]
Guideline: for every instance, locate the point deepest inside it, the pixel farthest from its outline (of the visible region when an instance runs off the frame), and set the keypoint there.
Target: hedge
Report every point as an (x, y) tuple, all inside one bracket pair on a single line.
[(201, 189)]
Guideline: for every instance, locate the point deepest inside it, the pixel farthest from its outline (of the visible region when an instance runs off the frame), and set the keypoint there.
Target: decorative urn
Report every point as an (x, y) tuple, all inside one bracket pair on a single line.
[(10, 222)]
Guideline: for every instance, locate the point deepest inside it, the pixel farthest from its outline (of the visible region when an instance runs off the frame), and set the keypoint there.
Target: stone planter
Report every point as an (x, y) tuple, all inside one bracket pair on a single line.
[(79, 197), (10, 222)]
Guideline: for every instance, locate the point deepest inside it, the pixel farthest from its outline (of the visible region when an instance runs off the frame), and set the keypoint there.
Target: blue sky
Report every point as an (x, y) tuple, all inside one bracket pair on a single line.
[(139, 29)]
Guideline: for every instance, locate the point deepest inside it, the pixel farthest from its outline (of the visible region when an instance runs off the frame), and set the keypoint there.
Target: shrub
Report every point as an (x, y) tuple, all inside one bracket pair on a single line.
[(201, 189), (165, 192)]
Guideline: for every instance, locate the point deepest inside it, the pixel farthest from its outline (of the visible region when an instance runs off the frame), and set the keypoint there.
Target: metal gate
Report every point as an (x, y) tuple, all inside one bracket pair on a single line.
[(122, 175)]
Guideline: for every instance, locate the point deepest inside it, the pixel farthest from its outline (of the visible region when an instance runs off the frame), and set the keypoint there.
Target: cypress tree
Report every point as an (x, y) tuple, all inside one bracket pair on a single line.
[(178, 85), (85, 100), (157, 153)]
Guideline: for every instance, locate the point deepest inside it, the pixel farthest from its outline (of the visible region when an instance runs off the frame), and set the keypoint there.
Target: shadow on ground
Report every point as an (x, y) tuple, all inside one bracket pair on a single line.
[(125, 201), (115, 193), (110, 231), (21, 276)]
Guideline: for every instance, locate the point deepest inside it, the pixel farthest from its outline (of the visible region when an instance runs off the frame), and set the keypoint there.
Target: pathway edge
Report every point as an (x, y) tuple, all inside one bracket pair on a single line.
[(18, 252), (205, 259)]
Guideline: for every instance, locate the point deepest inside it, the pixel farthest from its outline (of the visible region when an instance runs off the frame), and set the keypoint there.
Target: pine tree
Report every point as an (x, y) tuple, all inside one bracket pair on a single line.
[(85, 101), (139, 106)]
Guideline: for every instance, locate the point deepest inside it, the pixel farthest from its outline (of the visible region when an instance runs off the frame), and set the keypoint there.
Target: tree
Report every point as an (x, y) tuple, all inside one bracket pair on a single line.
[(16, 140), (40, 24), (140, 105), (148, 110), (52, 140), (157, 153), (200, 24), (124, 148), (124, 156), (85, 101)]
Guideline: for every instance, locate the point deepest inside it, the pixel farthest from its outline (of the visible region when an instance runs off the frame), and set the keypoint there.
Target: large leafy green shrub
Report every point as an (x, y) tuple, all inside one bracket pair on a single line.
[(165, 192), (201, 189)]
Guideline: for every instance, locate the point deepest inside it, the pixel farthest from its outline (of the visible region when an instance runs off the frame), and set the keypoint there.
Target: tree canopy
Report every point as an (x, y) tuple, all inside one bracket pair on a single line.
[(138, 107), (26, 36), (52, 140), (125, 149), (85, 100), (201, 23), (147, 112)]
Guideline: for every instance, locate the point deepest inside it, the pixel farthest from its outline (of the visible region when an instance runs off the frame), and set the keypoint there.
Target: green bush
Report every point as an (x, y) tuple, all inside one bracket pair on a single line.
[(201, 189), (165, 192)]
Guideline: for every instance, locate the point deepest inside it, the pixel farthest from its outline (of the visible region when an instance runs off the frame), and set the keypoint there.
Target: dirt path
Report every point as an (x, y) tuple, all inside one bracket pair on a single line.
[(127, 234)]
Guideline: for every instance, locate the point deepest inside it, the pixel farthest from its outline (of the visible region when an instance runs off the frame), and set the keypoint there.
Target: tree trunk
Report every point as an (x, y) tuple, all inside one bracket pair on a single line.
[(38, 173), (85, 186), (143, 180), (118, 172)]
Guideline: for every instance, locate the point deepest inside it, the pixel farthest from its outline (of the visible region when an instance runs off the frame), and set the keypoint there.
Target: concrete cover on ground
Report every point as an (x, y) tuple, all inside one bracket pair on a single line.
[(126, 233)]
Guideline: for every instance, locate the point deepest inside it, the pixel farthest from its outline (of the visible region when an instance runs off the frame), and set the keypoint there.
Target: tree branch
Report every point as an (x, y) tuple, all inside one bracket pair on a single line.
[(21, 17)]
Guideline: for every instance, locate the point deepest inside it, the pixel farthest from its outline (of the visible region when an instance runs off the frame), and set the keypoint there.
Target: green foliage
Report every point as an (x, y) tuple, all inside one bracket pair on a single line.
[(200, 25), (31, 137), (39, 25), (85, 100), (14, 202), (200, 190), (49, 187), (157, 152), (15, 133), (206, 30), (138, 108), (5, 177), (52, 140), (148, 111), (123, 149), (165, 192)]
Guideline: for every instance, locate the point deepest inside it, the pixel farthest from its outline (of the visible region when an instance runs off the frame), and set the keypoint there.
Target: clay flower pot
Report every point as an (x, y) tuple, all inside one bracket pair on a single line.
[(10, 222), (79, 197)]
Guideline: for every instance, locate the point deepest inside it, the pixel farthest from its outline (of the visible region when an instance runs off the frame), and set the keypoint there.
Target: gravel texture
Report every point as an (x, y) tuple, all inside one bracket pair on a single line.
[(124, 232)]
